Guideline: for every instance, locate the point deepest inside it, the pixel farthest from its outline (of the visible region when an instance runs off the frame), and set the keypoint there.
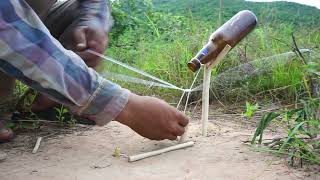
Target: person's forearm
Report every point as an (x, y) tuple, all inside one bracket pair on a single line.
[(95, 12), (29, 53)]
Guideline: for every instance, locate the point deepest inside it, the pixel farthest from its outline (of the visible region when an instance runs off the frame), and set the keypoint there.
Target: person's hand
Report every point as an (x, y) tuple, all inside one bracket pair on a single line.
[(81, 38), (153, 118)]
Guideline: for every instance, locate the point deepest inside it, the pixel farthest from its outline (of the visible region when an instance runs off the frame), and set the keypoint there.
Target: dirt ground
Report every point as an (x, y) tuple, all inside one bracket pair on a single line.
[(86, 153)]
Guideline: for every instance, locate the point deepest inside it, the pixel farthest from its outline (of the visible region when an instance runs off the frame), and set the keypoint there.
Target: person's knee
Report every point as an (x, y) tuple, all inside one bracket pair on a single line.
[(7, 84)]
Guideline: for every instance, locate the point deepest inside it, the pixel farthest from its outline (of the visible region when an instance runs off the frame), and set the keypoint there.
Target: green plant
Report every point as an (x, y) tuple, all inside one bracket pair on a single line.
[(302, 126), (250, 109), (61, 115)]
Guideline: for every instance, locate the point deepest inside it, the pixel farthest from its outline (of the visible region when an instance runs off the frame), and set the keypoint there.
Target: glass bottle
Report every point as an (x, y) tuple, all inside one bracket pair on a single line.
[(230, 33)]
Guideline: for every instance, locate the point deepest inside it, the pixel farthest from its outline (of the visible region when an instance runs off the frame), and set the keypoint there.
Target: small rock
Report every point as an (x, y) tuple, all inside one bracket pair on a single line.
[(67, 147), (307, 175), (33, 171), (276, 163)]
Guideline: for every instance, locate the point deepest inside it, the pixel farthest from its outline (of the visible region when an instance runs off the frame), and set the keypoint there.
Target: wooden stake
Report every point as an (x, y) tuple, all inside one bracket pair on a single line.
[(205, 99), (160, 151), (206, 88)]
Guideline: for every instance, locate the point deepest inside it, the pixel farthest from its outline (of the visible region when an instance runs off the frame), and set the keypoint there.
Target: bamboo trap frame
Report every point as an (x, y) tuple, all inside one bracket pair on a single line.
[(205, 112)]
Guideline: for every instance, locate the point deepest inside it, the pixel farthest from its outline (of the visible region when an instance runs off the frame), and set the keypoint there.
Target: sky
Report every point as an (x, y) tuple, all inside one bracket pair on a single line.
[(315, 3)]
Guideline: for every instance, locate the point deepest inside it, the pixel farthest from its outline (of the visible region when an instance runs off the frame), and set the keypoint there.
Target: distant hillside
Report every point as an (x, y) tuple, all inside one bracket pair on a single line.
[(276, 12)]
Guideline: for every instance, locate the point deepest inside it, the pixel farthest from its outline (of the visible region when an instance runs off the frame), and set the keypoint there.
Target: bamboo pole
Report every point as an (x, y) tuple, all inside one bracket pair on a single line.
[(207, 79), (160, 151), (206, 89), (205, 99)]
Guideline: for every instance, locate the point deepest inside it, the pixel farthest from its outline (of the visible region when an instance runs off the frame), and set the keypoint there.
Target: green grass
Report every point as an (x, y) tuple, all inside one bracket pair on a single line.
[(302, 126), (163, 38)]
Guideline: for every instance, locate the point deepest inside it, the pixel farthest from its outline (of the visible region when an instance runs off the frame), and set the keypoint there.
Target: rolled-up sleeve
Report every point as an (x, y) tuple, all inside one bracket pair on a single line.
[(30, 54)]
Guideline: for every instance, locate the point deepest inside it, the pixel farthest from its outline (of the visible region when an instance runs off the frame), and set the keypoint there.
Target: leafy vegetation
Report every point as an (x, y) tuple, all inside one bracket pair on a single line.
[(302, 126), (63, 116), (250, 109)]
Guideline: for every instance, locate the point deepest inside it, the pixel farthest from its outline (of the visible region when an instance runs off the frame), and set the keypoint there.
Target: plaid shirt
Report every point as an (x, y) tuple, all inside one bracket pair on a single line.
[(30, 54)]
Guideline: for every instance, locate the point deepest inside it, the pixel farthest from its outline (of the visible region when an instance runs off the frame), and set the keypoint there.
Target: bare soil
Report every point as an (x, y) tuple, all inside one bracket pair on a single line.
[(86, 152)]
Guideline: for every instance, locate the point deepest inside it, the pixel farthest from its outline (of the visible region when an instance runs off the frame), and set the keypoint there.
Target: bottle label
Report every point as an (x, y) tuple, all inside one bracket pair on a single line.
[(203, 52)]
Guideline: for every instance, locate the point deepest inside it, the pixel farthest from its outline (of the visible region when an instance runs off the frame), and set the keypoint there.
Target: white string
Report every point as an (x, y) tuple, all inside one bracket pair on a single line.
[(125, 78), (182, 96), (183, 137), (162, 83), (135, 80), (189, 92), (131, 68)]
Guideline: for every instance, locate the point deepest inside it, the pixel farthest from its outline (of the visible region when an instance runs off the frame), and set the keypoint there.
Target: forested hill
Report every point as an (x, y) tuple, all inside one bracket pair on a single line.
[(271, 13)]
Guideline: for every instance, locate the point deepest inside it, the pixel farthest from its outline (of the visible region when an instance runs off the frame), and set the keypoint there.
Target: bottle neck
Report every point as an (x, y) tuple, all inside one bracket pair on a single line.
[(205, 52), (201, 56)]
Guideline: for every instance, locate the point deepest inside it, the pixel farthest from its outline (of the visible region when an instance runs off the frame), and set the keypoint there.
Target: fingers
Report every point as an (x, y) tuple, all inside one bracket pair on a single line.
[(179, 131), (178, 123), (80, 38), (183, 120), (176, 130), (179, 127), (172, 137)]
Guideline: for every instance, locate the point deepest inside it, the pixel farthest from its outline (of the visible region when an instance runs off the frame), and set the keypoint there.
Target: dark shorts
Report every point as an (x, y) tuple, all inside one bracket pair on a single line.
[(60, 16)]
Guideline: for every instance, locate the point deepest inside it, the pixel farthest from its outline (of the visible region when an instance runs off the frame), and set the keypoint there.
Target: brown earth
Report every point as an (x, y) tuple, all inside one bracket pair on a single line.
[(86, 153)]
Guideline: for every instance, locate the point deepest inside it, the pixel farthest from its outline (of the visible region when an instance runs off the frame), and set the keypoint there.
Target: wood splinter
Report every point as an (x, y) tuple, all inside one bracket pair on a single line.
[(160, 151), (36, 147)]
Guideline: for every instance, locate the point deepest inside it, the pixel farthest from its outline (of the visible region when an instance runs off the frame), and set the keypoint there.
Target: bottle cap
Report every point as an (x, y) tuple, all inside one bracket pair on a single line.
[(194, 65)]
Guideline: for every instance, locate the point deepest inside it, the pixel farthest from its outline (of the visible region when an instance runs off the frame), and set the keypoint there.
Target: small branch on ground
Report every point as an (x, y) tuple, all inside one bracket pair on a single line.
[(36, 147)]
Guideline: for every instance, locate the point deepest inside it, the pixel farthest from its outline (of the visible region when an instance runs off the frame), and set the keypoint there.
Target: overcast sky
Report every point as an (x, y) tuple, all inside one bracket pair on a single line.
[(315, 3)]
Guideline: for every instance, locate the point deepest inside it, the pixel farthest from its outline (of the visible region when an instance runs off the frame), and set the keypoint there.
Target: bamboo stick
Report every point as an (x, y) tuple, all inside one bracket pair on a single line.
[(205, 99), (160, 151), (206, 89)]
